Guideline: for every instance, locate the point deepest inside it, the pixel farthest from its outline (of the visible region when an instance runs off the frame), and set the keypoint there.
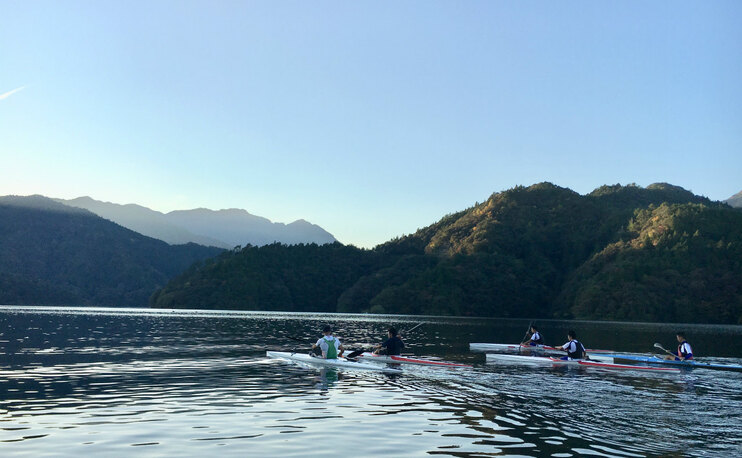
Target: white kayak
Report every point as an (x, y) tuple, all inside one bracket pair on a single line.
[(593, 357), (340, 363), (371, 357), (541, 360), (487, 347)]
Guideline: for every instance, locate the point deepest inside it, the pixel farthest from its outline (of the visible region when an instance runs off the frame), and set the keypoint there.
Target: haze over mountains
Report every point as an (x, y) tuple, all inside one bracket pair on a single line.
[(219, 228), (735, 200)]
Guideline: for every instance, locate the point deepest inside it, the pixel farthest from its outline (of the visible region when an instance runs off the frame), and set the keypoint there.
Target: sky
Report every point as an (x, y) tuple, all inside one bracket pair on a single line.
[(371, 119)]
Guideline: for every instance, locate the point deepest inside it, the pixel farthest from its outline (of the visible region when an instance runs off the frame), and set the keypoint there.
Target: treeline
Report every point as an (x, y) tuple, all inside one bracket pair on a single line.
[(620, 252)]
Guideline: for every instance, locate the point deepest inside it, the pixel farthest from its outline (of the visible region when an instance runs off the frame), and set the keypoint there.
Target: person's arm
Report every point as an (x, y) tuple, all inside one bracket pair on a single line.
[(317, 345)]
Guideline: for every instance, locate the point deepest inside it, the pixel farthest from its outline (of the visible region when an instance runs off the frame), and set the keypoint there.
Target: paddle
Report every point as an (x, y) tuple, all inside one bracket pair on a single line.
[(527, 331), (525, 336), (355, 353), (413, 328), (656, 345)]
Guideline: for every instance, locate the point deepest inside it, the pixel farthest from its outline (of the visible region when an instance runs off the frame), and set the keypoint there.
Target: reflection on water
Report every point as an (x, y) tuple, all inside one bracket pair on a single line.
[(187, 383)]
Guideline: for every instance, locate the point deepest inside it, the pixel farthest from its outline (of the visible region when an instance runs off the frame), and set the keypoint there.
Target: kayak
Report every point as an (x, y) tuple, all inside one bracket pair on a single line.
[(687, 364), (544, 359), (340, 363), (486, 347), (371, 357), (593, 357), (540, 360)]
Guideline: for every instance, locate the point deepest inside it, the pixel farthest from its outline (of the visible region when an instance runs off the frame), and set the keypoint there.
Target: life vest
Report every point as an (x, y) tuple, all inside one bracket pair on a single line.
[(537, 339), (578, 350), (681, 350), (332, 349)]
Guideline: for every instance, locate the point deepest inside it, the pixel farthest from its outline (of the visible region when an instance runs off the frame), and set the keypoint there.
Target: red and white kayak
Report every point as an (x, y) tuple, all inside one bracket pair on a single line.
[(373, 358), (541, 360)]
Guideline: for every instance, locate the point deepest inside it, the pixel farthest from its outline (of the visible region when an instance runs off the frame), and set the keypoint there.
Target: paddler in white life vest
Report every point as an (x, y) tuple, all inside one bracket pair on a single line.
[(684, 351), (329, 344), (574, 349), (535, 338)]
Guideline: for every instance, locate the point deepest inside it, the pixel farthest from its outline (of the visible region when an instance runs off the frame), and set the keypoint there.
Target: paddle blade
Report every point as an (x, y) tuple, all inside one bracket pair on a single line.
[(354, 353), (656, 345)]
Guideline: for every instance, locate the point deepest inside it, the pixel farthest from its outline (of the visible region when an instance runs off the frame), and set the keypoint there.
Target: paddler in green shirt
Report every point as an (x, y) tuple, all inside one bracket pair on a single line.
[(329, 344)]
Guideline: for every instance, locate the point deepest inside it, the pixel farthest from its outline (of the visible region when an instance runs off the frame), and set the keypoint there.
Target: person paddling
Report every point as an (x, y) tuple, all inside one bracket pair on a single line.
[(392, 346), (535, 339), (684, 352), (329, 344), (574, 349)]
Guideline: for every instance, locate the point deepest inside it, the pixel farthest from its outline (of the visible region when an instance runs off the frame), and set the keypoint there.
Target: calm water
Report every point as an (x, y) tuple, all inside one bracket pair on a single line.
[(162, 383)]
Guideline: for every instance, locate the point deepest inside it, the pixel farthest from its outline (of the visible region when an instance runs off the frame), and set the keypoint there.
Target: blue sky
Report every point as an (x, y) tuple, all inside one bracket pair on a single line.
[(371, 119)]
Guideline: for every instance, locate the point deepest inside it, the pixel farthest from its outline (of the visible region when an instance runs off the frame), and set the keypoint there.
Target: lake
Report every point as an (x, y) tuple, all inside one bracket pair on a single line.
[(118, 382)]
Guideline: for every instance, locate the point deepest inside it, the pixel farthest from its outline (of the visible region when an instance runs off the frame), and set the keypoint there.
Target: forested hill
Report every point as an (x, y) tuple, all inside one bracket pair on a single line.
[(620, 252), (52, 254)]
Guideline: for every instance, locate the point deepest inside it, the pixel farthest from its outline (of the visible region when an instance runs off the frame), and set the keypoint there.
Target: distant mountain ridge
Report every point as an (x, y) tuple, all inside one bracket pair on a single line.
[(54, 254), (221, 228), (735, 200)]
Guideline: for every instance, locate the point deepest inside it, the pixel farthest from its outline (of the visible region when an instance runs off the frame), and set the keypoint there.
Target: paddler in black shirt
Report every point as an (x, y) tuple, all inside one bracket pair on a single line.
[(392, 346)]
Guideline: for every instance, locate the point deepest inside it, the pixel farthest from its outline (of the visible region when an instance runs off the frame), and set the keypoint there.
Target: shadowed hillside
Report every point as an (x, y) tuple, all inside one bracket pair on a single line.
[(52, 254)]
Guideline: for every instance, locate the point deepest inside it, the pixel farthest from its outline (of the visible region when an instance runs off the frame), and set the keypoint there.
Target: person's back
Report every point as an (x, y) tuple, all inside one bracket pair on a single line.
[(574, 349), (329, 344), (393, 345)]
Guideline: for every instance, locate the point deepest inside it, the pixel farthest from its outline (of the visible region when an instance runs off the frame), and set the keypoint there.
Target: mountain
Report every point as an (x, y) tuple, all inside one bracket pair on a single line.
[(735, 200), (53, 254), (539, 251), (238, 227), (222, 228), (143, 220)]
